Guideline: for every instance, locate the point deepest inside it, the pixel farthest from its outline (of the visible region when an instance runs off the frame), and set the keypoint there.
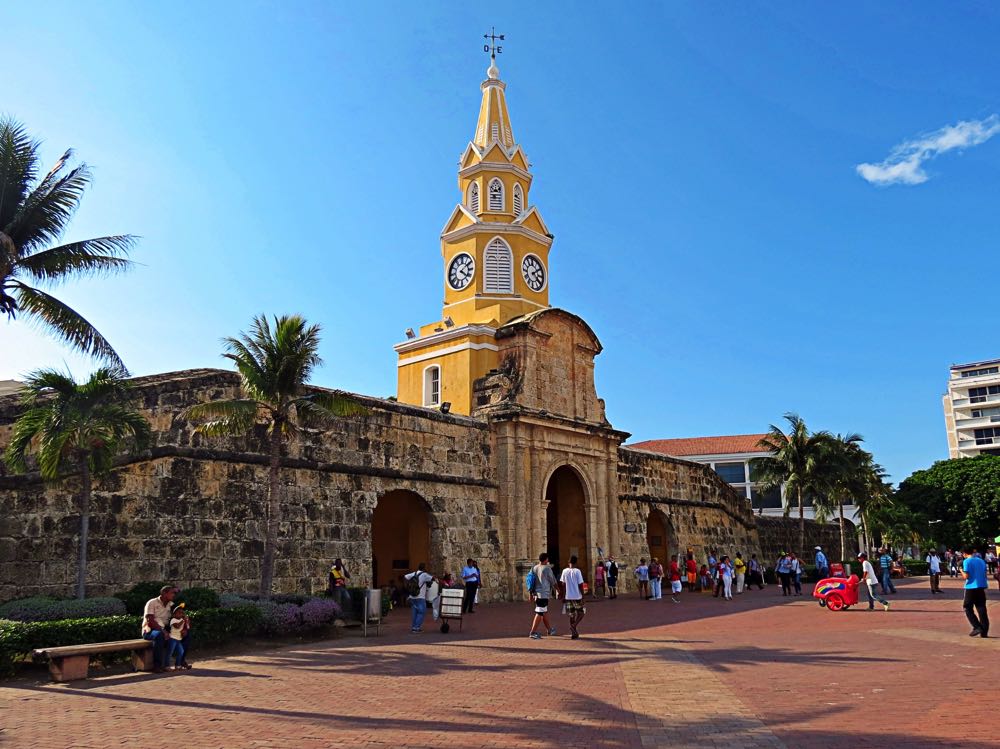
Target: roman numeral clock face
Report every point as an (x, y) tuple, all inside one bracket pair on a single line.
[(533, 272), (461, 271)]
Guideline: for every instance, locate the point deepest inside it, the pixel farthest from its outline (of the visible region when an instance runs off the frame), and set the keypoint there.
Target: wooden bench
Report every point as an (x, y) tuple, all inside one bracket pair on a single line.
[(72, 662)]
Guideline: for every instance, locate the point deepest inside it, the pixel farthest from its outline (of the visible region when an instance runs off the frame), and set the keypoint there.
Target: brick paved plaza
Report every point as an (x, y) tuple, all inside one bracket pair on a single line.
[(761, 671)]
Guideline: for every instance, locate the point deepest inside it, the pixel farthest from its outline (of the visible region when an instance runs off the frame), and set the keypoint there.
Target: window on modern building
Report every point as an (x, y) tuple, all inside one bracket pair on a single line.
[(498, 274), (496, 195), (768, 500), (982, 413), (432, 386), (988, 436), (732, 473), (474, 197), (518, 200), (980, 372), (980, 394)]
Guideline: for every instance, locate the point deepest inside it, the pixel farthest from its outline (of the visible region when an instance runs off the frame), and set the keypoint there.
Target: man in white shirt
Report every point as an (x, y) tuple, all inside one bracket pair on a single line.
[(572, 585), (934, 569), (871, 580), (417, 583), (155, 624)]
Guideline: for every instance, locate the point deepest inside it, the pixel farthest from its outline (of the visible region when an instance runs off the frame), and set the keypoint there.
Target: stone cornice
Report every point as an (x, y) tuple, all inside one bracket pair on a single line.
[(496, 227)]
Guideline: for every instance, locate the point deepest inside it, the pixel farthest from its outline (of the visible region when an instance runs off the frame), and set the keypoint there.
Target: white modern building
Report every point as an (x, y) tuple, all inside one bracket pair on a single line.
[(972, 409), (730, 457)]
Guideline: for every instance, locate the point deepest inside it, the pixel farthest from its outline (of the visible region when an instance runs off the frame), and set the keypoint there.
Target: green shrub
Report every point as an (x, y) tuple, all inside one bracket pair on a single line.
[(18, 639), (217, 626), (197, 599), (916, 567), (27, 609), (135, 597), (50, 609)]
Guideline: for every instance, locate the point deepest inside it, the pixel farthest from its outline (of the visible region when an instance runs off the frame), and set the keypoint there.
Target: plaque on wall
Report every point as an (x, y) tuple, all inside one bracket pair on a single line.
[(631, 528)]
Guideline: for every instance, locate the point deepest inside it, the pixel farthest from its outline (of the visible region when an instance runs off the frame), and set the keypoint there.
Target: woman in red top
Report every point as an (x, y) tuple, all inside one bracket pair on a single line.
[(675, 579), (692, 572)]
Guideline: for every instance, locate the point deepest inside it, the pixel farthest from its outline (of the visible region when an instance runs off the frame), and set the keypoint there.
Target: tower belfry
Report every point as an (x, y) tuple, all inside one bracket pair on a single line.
[(495, 251)]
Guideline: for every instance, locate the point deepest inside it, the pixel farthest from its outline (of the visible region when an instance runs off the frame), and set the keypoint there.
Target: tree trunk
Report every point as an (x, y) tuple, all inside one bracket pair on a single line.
[(802, 522), (273, 510), (843, 537), (81, 565)]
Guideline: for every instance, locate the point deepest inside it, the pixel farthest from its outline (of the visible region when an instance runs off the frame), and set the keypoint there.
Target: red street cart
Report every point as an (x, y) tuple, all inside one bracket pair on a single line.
[(836, 593)]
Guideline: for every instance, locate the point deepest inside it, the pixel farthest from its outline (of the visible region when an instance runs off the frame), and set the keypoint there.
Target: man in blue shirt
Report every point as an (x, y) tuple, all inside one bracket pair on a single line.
[(470, 574), (885, 562), (974, 572), (822, 566)]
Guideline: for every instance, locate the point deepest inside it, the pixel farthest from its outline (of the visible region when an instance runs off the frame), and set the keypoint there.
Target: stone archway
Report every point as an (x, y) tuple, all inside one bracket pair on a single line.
[(401, 535), (566, 520), (658, 538)]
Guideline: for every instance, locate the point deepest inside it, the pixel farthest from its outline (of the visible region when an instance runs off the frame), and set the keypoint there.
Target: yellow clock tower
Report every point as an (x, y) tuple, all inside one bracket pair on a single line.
[(495, 248)]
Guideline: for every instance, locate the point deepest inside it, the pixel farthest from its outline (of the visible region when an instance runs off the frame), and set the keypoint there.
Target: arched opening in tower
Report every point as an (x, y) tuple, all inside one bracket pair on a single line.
[(401, 536), (566, 520)]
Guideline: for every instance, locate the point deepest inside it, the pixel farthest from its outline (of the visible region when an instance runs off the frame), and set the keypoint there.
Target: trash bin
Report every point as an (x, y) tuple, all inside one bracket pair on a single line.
[(373, 610)]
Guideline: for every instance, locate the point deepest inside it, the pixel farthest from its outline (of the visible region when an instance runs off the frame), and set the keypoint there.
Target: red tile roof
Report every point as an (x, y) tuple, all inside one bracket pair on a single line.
[(736, 443)]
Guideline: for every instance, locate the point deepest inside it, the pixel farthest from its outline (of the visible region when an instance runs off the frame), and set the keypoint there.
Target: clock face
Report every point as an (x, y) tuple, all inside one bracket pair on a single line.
[(533, 272), (461, 271)]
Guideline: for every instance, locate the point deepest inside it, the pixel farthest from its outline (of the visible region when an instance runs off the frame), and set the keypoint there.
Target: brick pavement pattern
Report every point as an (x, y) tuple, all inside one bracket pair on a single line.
[(761, 671)]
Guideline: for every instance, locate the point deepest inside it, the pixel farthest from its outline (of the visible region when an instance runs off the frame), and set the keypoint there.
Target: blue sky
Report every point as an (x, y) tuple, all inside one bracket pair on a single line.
[(697, 163)]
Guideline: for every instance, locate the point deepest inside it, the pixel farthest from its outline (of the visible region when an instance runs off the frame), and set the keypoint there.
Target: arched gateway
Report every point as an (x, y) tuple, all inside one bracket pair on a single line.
[(566, 519), (401, 535)]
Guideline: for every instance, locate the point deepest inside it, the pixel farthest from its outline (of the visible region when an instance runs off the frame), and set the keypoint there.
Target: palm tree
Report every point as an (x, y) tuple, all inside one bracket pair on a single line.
[(796, 462), (875, 503), (850, 475), (77, 427), (274, 366), (34, 213)]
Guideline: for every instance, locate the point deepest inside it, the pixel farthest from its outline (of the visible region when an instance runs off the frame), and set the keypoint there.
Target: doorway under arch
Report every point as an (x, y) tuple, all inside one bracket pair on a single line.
[(401, 535), (566, 520), (657, 537)]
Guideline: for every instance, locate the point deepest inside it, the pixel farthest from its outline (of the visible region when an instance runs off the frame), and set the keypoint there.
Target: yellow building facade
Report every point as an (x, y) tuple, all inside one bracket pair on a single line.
[(495, 253)]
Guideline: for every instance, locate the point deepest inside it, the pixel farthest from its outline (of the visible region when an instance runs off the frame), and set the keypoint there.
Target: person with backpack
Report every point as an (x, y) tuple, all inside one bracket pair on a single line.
[(541, 584), (612, 567), (655, 579), (756, 573), (416, 591)]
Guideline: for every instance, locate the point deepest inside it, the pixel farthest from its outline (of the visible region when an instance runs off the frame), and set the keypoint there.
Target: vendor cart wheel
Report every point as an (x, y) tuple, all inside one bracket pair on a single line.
[(834, 602), (847, 606), (822, 602)]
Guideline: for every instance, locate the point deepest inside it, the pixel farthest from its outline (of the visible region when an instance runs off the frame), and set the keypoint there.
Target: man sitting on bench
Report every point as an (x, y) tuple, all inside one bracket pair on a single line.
[(155, 624)]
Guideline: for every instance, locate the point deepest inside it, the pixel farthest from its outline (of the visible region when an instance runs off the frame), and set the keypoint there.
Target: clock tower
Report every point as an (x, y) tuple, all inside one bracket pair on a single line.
[(495, 253)]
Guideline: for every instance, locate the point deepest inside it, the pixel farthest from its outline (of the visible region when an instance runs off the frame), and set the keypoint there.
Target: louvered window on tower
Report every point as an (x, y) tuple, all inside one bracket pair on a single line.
[(496, 131), (499, 274), (474, 197), (518, 200), (496, 195)]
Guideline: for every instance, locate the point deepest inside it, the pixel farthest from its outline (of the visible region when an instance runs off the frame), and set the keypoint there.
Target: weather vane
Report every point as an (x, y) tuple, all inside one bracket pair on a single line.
[(491, 45)]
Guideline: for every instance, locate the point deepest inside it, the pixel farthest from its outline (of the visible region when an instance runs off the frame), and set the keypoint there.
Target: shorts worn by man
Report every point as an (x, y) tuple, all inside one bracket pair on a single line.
[(156, 624), (572, 582), (974, 572), (544, 587)]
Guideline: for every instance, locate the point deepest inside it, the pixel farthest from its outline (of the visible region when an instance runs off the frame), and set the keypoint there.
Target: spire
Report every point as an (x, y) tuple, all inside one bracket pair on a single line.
[(494, 120)]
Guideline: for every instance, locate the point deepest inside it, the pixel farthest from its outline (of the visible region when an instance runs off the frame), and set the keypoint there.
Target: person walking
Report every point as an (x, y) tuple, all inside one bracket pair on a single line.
[(726, 578), (740, 569), (691, 567), (612, 567), (797, 574), (544, 587), (871, 581), (338, 584), (470, 576), (572, 585), (974, 574), (784, 570), (991, 561), (600, 575), (675, 579), (822, 565), (642, 578), (952, 563), (885, 566), (655, 579), (756, 573), (934, 570), (416, 592)]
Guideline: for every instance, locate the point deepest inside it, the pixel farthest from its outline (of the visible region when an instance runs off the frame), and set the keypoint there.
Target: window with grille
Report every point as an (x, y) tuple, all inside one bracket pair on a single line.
[(496, 195), (499, 268), (432, 386), (474, 197), (518, 200)]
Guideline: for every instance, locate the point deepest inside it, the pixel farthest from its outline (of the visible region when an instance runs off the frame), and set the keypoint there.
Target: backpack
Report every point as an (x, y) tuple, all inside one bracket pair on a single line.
[(531, 580), (413, 585)]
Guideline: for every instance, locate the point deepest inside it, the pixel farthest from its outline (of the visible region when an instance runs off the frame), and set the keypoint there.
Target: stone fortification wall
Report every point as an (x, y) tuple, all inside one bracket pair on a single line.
[(698, 510), (191, 509), (782, 534)]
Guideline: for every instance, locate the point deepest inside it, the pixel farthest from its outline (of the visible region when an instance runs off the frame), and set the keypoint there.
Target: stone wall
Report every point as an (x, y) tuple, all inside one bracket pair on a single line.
[(778, 534), (698, 509), (190, 510)]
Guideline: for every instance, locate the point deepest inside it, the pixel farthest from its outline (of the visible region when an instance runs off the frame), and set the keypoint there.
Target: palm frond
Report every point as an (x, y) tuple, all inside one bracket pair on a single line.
[(319, 407), (65, 323), (18, 167), (25, 431), (47, 209), (226, 418), (91, 257)]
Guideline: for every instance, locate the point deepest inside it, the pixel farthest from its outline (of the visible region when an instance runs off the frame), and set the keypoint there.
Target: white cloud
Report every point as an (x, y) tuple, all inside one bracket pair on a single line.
[(905, 164)]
